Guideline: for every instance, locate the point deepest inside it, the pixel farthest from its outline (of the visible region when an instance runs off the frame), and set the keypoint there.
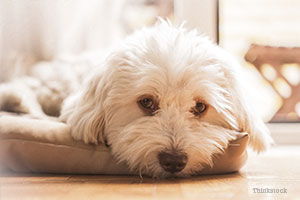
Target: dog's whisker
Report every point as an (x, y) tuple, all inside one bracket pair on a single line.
[(141, 174)]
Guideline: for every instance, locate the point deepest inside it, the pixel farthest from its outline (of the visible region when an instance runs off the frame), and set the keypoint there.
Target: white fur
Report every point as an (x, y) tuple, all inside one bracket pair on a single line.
[(176, 66)]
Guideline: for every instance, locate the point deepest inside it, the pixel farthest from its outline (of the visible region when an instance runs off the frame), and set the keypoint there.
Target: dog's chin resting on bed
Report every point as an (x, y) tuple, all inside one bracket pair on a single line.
[(165, 102)]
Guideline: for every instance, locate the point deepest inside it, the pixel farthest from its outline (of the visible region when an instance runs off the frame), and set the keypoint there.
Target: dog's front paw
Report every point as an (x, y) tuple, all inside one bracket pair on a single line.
[(10, 102)]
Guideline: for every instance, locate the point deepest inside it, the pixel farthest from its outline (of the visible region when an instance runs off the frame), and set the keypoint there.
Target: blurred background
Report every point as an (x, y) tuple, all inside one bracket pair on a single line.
[(262, 34)]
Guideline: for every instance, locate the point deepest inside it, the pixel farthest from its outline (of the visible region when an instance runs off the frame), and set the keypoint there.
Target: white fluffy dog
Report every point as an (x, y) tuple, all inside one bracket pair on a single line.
[(165, 101)]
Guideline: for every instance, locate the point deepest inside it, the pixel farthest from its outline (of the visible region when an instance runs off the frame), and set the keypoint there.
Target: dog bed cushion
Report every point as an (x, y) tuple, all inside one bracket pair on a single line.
[(45, 146)]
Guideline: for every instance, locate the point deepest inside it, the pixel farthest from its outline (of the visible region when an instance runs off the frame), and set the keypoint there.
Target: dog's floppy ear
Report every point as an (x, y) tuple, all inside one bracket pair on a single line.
[(260, 138), (85, 112)]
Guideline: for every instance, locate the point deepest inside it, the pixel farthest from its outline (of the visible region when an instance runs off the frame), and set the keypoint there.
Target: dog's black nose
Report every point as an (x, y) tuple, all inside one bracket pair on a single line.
[(172, 162)]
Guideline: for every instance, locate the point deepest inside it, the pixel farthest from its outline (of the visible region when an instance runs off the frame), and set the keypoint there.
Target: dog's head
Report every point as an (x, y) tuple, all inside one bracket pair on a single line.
[(165, 102)]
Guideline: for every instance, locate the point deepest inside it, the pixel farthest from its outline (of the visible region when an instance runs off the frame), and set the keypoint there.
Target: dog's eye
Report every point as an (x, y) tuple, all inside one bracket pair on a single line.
[(148, 104), (199, 108)]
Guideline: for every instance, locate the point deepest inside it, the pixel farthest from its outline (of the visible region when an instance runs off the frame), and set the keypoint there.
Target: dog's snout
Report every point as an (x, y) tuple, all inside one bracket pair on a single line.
[(172, 162)]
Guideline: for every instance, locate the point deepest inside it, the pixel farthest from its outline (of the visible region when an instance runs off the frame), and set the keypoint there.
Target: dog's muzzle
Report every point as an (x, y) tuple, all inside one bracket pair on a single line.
[(172, 162)]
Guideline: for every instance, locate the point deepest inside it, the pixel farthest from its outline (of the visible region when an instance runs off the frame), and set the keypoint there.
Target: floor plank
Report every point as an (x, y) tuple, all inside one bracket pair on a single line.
[(278, 169)]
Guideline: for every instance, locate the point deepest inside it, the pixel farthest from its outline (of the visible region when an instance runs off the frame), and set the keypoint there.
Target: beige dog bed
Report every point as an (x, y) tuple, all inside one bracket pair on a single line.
[(34, 145)]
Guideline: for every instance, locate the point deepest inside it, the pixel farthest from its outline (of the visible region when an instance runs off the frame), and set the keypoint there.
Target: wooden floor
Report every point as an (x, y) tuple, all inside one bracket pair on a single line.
[(278, 169)]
